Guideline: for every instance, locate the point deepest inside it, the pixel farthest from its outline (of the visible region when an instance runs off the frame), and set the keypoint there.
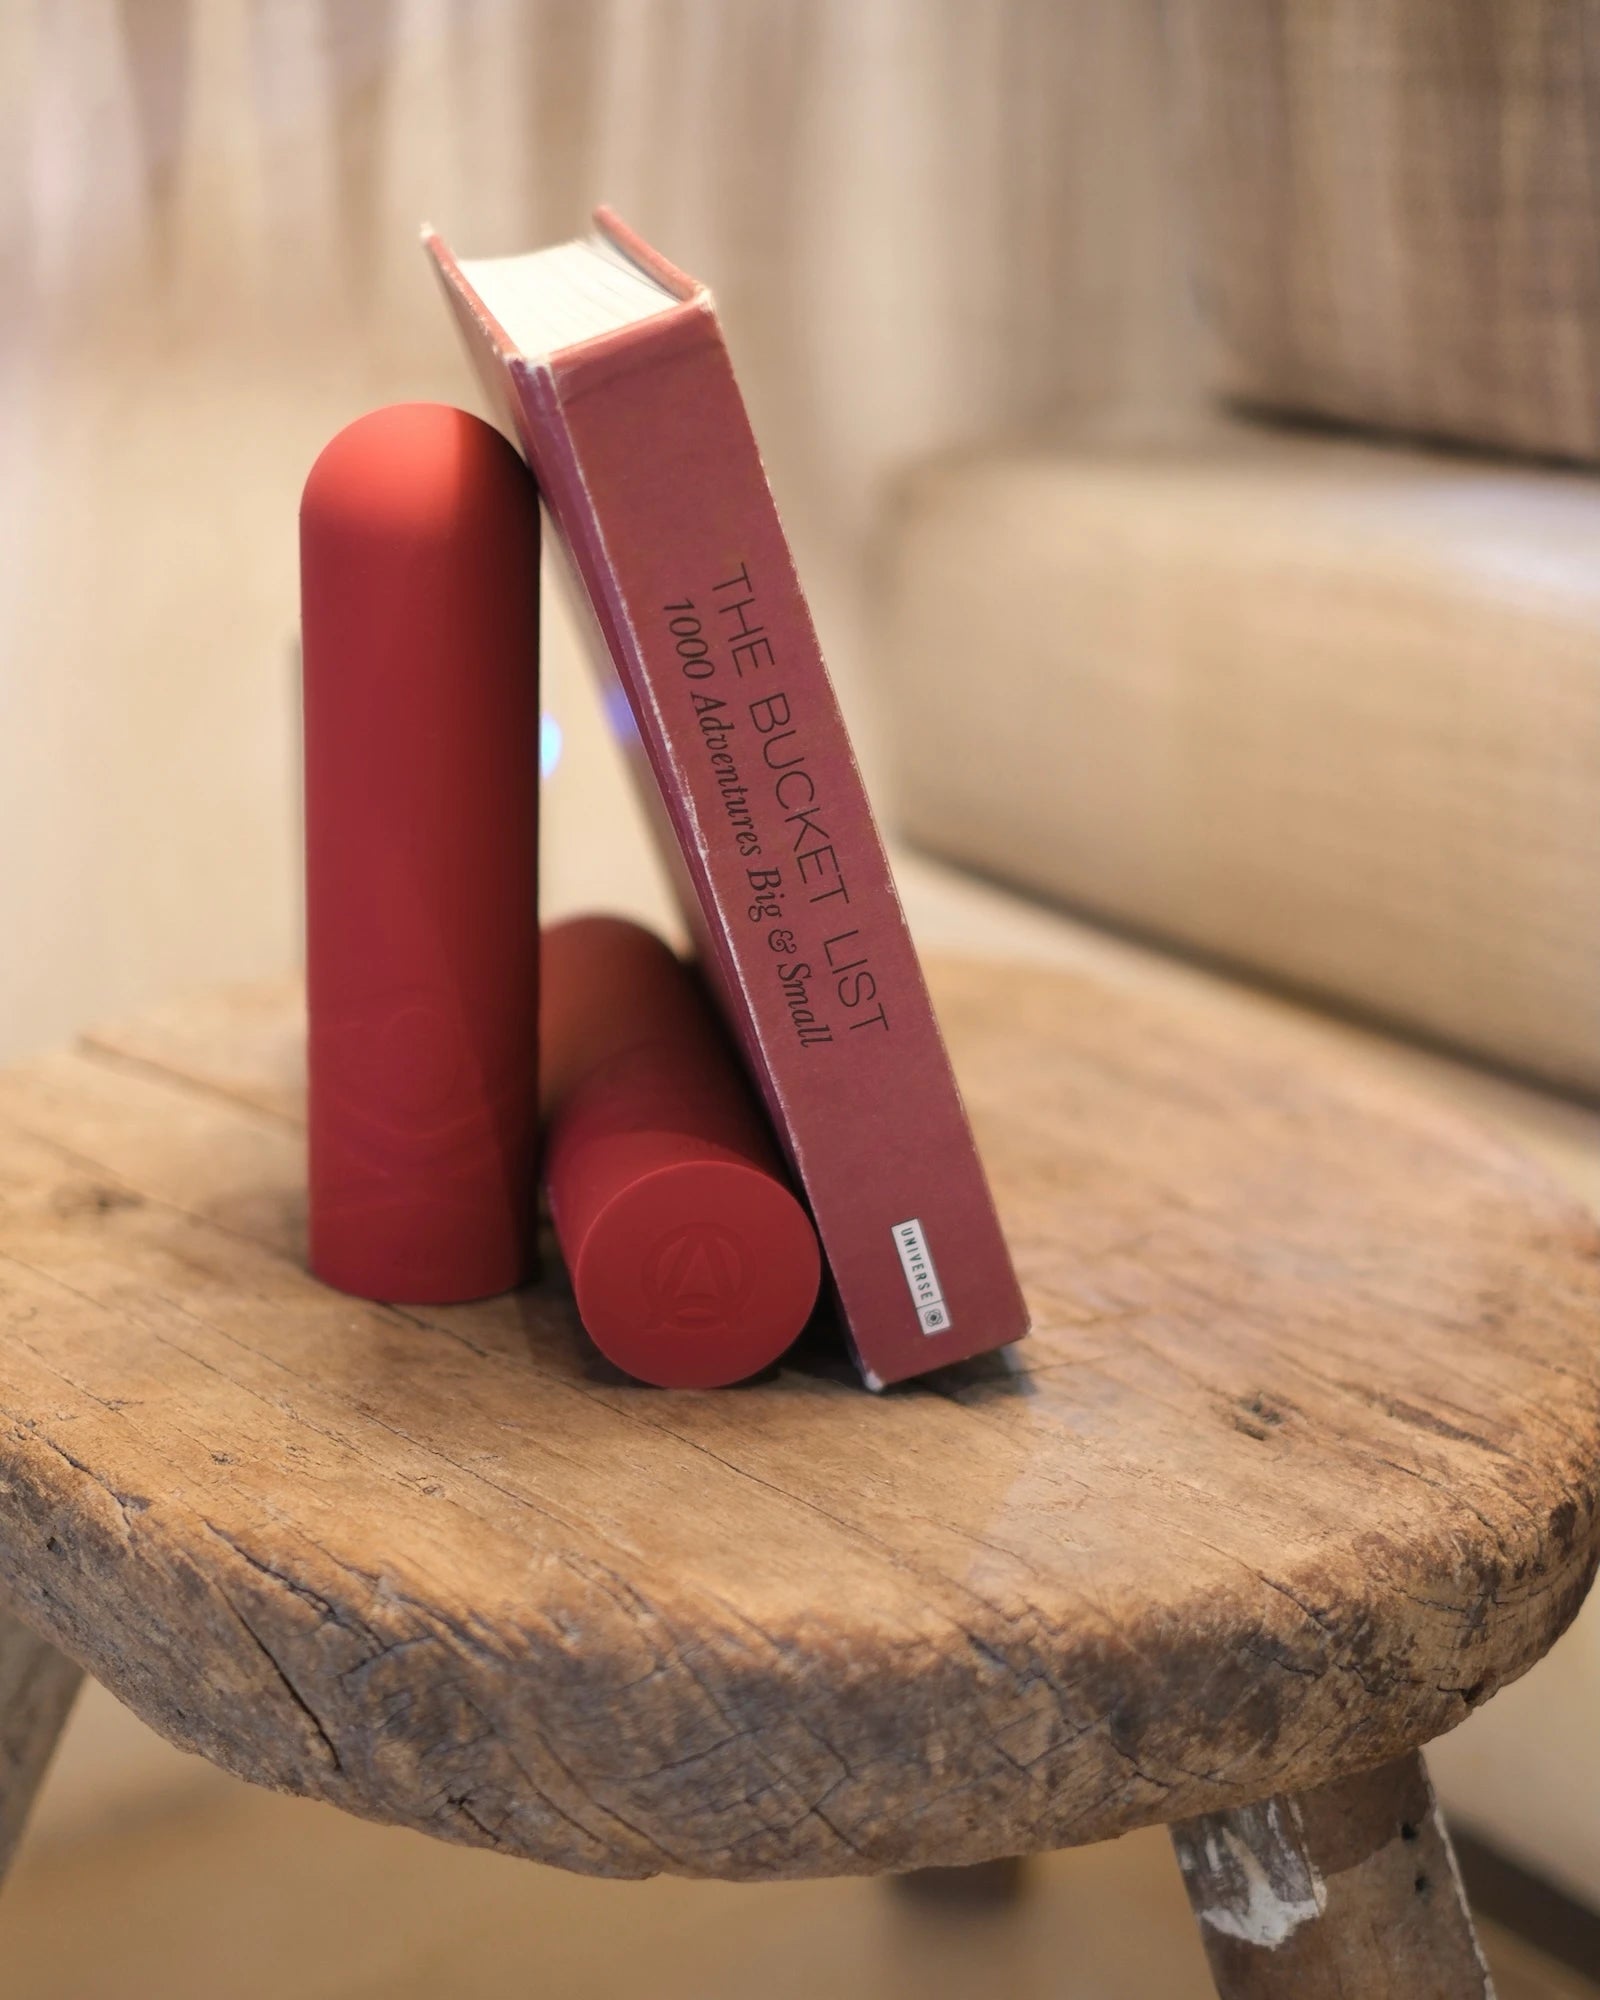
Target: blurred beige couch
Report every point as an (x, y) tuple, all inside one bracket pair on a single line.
[(1301, 677), (1322, 703)]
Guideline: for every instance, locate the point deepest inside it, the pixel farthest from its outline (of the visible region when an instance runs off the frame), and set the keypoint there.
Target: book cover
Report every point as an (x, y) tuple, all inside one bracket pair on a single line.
[(608, 367)]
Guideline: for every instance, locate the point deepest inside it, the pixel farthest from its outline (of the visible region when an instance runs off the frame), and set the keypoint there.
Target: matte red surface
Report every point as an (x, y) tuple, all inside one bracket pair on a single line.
[(419, 563), (645, 457), (692, 1263)]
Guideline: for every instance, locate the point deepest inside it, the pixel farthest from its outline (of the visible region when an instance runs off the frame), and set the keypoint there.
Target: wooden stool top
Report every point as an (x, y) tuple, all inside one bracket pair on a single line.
[(1300, 1464)]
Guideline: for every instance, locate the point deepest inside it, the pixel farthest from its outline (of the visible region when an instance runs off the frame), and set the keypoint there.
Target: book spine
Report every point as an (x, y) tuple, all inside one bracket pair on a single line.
[(645, 454)]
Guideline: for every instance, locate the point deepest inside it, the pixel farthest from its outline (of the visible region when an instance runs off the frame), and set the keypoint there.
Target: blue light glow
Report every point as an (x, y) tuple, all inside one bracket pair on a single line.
[(549, 745), (619, 714)]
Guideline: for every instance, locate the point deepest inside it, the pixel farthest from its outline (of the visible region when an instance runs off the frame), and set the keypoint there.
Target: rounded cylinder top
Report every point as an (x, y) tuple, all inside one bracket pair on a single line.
[(415, 469)]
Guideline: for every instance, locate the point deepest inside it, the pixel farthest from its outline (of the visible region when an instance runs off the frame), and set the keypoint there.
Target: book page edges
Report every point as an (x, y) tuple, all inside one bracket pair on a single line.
[(685, 291)]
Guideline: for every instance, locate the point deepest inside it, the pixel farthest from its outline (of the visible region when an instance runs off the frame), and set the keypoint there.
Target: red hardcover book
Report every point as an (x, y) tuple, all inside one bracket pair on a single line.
[(608, 366)]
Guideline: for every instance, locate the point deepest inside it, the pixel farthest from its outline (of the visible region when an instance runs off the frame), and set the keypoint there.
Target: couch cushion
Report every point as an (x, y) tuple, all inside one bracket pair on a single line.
[(1330, 711)]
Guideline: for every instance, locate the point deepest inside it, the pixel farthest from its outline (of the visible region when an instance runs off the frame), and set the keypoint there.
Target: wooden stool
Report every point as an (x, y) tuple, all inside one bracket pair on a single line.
[(1298, 1468)]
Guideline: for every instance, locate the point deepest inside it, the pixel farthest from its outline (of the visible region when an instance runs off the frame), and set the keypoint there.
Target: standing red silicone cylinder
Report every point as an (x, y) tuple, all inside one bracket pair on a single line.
[(419, 567), (692, 1262)]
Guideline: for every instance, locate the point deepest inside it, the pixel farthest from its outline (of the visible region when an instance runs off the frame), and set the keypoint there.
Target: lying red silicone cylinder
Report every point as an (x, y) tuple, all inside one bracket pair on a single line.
[(692, 1262), (419, 563)]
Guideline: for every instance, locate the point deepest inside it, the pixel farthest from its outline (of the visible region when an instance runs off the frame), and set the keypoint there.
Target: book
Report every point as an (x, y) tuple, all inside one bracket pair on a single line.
[(607, 366)]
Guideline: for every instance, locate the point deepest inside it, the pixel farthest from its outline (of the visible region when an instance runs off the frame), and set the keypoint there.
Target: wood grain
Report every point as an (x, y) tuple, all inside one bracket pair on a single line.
[(1348, 1889), (1327, 710), (1394, 211), (37, 1688), (1298, 1467)]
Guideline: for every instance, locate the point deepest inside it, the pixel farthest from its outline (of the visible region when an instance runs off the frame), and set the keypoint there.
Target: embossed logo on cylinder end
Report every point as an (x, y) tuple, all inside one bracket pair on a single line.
[(696, 1280)]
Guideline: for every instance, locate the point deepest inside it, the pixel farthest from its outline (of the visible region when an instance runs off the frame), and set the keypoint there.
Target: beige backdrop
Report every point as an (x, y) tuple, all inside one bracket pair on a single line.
[(926, 221)]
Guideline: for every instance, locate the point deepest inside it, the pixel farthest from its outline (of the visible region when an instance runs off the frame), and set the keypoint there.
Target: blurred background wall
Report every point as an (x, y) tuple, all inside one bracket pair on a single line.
[(927, 221)]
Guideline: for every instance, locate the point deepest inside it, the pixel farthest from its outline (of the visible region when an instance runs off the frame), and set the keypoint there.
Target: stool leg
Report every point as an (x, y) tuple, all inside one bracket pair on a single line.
[(37, 1685), (1348, 1889)]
